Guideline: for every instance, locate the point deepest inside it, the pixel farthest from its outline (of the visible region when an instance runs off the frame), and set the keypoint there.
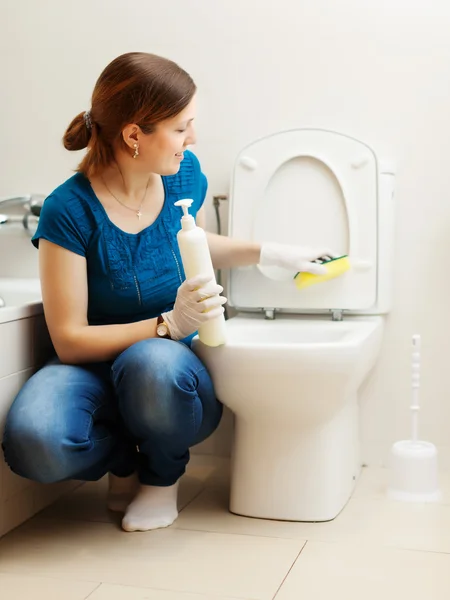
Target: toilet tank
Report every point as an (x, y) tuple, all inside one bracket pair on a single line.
[(314, 187)]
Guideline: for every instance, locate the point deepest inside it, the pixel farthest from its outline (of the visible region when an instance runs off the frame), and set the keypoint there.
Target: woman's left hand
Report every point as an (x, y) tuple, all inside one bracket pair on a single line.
[(295, 258)]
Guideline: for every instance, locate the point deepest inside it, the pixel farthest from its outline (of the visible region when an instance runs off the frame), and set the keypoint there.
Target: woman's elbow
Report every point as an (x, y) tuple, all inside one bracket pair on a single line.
[(67, 349)]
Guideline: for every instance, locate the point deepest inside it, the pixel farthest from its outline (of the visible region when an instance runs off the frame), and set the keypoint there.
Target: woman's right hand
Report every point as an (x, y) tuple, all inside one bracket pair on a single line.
[(197, 302)]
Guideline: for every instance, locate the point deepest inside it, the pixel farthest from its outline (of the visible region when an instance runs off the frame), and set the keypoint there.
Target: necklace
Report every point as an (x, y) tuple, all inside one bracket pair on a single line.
[(138, 211)]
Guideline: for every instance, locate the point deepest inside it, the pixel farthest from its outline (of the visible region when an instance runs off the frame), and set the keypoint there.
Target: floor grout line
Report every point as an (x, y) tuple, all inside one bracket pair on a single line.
[(242, 533), (193, 498), (94, 590), (416, 550), (160, 589), (37, 575), (290, 569), (351, 542)]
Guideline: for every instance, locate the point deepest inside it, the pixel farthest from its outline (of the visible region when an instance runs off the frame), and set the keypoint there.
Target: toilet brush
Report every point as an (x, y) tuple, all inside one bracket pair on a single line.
[(413, 463)]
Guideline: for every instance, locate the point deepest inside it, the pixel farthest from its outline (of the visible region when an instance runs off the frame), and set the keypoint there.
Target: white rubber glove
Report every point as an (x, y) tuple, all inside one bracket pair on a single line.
[(294, 258), (197, 302)]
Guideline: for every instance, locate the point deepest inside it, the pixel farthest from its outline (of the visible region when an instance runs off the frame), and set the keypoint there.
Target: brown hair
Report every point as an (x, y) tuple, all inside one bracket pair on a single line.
[(134, 88)]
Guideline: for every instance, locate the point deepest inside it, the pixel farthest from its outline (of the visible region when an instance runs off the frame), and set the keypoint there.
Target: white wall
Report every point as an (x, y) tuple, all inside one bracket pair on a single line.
[(378, 70)]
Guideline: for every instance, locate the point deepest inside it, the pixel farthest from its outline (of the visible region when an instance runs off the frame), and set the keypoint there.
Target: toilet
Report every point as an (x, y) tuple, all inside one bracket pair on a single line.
[(295, 360)]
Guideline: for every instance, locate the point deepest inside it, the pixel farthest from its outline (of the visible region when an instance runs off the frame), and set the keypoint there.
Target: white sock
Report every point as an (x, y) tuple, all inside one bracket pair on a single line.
[(121, 491), (152, 508)]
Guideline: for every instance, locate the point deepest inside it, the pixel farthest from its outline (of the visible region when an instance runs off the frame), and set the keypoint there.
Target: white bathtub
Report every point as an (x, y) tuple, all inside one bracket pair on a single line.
[(21, 297), (24, 346)]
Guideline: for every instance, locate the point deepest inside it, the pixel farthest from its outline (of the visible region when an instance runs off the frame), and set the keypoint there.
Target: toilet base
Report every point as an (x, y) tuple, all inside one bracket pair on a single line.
[(293, 474)]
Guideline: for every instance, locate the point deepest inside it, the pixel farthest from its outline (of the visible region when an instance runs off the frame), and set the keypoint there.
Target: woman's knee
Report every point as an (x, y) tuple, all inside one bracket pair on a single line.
[(156, 365), (47, 425), (31, 441), (157, 385)]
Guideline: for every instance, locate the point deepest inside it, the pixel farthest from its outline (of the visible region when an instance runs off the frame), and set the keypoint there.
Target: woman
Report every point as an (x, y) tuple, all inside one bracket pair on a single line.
[(123, 396)]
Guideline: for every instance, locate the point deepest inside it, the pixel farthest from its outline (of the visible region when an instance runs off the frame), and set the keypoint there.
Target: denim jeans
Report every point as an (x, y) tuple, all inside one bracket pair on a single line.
[(141, 412)]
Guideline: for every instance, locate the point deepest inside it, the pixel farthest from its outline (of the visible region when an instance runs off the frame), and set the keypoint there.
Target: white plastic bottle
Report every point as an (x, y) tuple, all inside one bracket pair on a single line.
[(196, 259)]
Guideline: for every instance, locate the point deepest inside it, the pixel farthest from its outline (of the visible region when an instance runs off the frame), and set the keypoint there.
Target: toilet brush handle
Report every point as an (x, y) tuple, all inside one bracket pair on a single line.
[(415, 368)]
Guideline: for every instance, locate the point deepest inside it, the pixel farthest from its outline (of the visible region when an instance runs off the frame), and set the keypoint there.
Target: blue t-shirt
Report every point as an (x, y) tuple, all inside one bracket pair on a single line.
[(131, 277)]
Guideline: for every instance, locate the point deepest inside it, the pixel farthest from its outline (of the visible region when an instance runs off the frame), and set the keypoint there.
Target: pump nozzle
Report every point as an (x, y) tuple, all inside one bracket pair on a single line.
[(187, 220), (185, 204)]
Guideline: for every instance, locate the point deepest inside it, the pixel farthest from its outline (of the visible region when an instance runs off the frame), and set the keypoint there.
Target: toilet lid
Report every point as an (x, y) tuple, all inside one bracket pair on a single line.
[(306, 187)]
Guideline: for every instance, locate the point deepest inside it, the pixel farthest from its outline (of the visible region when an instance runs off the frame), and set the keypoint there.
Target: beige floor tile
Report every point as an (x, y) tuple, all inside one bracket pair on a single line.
[(25, 587), (45, 495), (16, 510), (208, 563), (88, 502), (374, 481), (12, 484), (122, 592), (214, 470), (210, 512), (353, 572), (410, 526)]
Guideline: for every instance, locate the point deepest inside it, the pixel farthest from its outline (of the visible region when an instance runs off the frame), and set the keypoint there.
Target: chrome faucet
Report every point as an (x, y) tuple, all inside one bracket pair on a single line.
[(31, 203)]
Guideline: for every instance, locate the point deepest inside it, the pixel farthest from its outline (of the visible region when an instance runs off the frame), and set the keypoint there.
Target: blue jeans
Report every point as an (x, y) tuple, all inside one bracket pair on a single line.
[(141, 412)]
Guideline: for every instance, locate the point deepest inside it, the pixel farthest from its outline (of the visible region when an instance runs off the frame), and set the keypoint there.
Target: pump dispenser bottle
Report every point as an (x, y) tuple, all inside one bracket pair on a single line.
[(196, 259)]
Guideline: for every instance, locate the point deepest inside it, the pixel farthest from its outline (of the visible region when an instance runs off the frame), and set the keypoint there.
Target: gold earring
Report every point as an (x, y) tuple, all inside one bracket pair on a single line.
[(136, 151)]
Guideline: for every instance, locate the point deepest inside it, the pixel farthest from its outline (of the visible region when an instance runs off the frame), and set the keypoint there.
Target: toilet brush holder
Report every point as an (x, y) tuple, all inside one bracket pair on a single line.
[(414, 475)]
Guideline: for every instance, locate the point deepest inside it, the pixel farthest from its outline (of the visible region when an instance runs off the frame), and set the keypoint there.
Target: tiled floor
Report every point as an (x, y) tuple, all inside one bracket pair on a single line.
[(375, 549)]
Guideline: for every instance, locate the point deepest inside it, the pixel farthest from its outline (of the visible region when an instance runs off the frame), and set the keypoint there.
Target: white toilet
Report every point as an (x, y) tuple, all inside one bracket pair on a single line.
[(294, 360)]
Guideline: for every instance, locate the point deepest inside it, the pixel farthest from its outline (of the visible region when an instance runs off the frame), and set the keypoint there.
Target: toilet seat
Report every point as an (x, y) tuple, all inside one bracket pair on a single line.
[(341, 178)]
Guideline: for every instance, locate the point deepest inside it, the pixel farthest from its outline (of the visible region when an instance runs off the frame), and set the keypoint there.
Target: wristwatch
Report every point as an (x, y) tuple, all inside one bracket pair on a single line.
[(162, 329)]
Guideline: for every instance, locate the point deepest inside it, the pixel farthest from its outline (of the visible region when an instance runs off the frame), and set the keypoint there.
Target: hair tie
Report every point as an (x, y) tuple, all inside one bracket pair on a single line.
[(87, 119)]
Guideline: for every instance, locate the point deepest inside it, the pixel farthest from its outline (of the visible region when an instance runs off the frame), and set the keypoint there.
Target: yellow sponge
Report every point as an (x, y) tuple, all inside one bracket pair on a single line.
[(334, 267)]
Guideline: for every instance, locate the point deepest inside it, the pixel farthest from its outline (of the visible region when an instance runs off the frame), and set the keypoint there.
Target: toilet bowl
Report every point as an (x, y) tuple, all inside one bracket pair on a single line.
[(294, 360), (292, 385)]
